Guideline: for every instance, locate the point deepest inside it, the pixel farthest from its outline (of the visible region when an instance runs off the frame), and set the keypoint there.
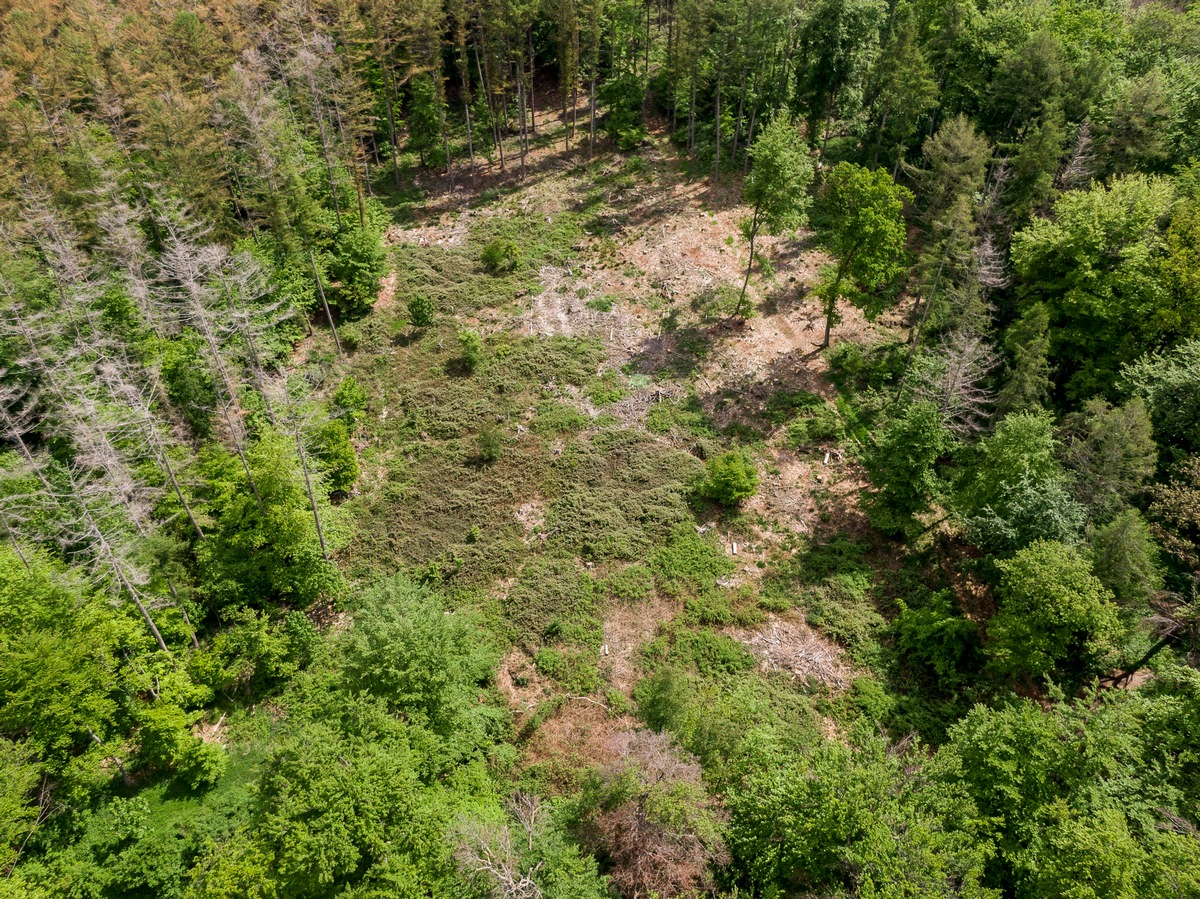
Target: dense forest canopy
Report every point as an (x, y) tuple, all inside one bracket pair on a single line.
[(595, 448)]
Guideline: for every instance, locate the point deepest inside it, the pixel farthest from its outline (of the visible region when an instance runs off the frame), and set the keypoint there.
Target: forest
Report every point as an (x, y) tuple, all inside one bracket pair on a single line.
[(600, 449)]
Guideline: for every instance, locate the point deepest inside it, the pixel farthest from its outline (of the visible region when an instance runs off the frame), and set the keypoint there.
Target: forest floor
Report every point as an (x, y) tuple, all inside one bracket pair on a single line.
[(612, 345)]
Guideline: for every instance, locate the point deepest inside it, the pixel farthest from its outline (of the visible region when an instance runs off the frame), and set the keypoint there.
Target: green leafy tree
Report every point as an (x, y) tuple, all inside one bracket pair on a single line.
[(867, 235), (501, 256), (1133, 132), (776, 186), (264, 545), (848, 818), (835, 45), (1055, 619), (904, 85), (1017, 479), (1175, 511), (334, 450), (902, 466), (1170, 384), (1110, 453), (350, 402), (1028, 380), (731, 478), (1095, 265), (358, 262), (19, 777), (1125, 558), (429, 665), (420, 310), (471, 345)]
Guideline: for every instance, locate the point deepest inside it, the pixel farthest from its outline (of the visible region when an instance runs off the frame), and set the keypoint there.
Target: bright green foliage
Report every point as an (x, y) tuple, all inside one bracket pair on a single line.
[(331, 804), (252, 652), (867, 236), (420, 310), (1170, 384), (58, 665), (501, 256), (491, 445), (422, 662), (1055, 618), (1096, 266), (167, 742), (1125, 559), (1033, 773), (1018, 492), (358, 262), (688, 562), (902, 466), (350, 402), (731, 478), (842, 819), (776, 186), (779, 178), (471, 345), (335, 452), (259, 554), (18, 778)]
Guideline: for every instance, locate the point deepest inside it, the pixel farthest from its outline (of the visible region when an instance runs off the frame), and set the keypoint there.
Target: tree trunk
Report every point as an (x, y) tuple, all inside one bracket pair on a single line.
[(831, 304), (324, 302), (750, 263), (312, 499)]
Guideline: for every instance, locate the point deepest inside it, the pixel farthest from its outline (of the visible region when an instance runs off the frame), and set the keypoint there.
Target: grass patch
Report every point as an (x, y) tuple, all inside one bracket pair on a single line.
[(620, 493)]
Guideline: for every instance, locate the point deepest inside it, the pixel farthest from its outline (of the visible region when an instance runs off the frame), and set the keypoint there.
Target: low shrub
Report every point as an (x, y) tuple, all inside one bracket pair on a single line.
[(731, 478), (501, 256)]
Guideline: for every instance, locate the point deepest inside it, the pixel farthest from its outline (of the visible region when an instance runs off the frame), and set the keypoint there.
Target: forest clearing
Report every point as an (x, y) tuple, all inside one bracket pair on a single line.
[(600, 450)]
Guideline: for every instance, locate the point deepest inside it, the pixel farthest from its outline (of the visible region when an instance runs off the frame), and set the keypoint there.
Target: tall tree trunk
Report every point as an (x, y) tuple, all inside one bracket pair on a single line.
[(750, 263), (324, 302)]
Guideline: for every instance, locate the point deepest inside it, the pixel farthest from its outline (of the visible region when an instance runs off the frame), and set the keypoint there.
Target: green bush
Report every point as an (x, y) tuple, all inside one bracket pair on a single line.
[(491, 445), (820, 424), (471, 346), (358, 262), (731, 478), (335, 452), (420, 310), (631, 584), (574, 668), (688, 562), (704, 651), (350, 402), (843, 609), (501, 256), (554, 417)]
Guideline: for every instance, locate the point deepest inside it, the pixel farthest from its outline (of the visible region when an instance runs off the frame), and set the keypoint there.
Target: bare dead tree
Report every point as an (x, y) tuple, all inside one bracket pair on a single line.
[(953, 377), (650, 854), (1081, 165), (187, 274), (486, 854), (489, 853), (89, 524)]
